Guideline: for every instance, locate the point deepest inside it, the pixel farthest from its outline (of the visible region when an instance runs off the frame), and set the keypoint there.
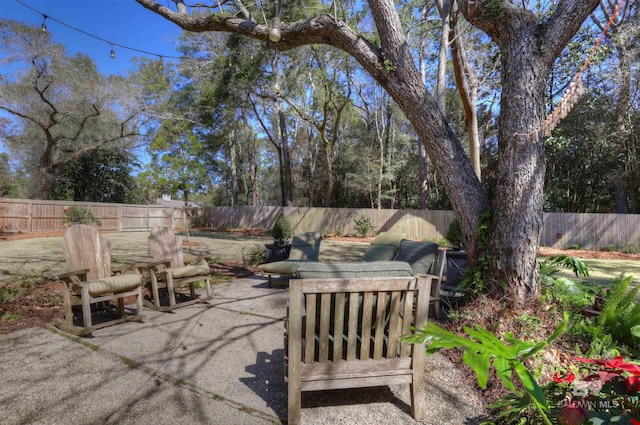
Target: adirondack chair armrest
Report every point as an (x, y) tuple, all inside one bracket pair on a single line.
[(139, 267), (166, 263), (199, 259), (80, 274)]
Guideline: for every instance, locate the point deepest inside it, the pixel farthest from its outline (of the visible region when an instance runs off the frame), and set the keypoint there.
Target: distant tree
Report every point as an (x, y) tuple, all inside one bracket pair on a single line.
[(176, 167), (62, 107), (104, 175), (7, 186)]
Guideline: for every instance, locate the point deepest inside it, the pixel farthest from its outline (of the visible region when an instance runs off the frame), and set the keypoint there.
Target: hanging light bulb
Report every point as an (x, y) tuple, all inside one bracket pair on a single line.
[(43, 27), (274, 32), (113, 53)]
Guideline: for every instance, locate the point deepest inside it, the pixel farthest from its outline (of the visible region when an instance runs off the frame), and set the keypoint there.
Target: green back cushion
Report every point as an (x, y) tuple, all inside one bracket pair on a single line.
[(420, 255), (309, 270), (383, 247), (305, 246)]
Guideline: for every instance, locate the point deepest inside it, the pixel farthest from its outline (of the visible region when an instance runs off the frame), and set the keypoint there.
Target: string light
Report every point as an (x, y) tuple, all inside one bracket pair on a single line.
[(112, 53), (275, 33)]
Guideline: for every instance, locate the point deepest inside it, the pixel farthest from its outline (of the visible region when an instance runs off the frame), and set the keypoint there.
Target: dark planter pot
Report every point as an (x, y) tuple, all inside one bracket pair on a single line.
[(277, 251)]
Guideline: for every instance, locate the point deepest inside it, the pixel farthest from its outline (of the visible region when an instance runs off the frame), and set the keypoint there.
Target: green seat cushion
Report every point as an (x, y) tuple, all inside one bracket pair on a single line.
[(383, 247), (282, 267), (420, 255), (118, 283), (189, 271), (312, 270)]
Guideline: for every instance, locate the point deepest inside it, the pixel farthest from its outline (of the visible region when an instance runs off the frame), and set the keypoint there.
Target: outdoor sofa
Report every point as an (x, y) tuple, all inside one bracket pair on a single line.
[(388, 255)]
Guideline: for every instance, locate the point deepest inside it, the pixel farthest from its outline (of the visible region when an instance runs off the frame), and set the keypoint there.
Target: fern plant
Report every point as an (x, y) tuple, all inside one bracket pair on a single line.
[(482, 349), (620, 315)]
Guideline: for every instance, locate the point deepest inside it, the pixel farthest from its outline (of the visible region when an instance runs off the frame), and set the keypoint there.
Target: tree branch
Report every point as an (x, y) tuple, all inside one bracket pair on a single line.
[(322, 29), (563, 24)]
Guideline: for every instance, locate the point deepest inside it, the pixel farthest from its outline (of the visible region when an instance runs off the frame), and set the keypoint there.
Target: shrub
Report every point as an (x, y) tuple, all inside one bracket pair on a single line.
[(281, 230), (77, 215), (454, 234), (621, 311), (363, 225), (254, 254)]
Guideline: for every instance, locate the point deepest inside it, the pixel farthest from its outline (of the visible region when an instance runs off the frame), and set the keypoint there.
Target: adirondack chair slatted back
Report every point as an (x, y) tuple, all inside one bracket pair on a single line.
[(346, 333), (85, 248), (164, 244)]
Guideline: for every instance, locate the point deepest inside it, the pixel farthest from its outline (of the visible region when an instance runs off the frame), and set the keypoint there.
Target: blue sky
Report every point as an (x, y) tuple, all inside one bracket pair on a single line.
[(122, 22)]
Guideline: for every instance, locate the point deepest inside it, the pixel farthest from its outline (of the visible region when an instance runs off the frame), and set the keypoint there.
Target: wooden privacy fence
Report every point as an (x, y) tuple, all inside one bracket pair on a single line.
[(418, 224), (561, 230), (36, 216), (589, 231)]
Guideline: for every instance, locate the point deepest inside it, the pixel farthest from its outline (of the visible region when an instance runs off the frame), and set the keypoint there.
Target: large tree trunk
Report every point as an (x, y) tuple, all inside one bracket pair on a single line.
[(43, 184), (518, 211)]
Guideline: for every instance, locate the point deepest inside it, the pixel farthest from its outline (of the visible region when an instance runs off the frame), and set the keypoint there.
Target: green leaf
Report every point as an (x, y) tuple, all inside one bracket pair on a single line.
[(479, 363), (490, 342), (530, 385), (504, 372)]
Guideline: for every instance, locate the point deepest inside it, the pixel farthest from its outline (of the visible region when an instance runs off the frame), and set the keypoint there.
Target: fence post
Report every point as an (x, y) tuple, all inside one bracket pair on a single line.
[(30, 225)]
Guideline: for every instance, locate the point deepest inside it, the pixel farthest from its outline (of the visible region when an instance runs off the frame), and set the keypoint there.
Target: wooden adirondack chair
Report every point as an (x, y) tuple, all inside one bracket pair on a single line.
[(345, 333), (170, 272), (91, 284)]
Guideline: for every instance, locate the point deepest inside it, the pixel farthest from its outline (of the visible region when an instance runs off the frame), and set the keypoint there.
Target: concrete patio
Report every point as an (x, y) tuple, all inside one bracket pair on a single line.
[(216, 363)]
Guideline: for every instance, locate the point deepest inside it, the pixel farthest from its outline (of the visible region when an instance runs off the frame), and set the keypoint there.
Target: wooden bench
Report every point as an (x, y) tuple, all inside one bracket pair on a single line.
[(345, 333)]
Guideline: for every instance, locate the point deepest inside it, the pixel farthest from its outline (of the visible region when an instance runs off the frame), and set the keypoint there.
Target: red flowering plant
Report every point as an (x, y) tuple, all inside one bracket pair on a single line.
[(607, 394)]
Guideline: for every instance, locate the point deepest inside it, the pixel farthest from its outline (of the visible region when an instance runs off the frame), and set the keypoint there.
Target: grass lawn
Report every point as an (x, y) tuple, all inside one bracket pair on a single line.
[(604, 271)]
